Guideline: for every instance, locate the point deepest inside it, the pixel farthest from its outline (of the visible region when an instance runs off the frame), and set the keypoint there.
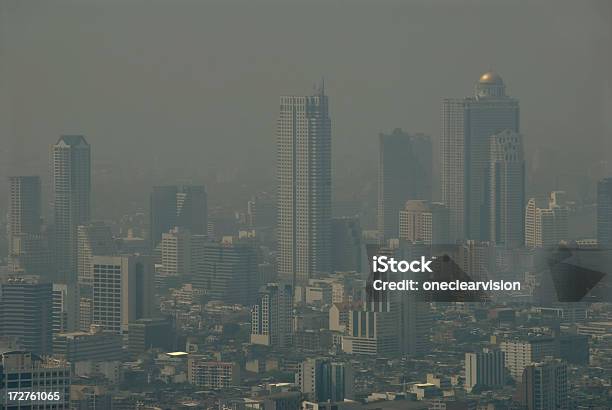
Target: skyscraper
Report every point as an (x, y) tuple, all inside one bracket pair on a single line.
[(604, 213), (271, 317), (27, 246), (484, 369), (424, 222), (545, 386), (506, 189), (26, 312), (122, 290), (94, 238), (467, 125), (304, 187), (71, 169), (546, 227), (404, 173), (322, 380)]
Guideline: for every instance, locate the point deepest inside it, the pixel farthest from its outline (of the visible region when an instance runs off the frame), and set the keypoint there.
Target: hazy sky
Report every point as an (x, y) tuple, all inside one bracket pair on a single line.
[(174, 89)]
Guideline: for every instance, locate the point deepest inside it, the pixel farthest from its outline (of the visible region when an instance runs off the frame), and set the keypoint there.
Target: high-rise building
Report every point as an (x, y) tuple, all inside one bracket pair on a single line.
[(346, 244), (26, 312), (506, 190), (521, 353), (271, 317), (424, 222), (202, 372), (546, 227), (71, 169), (182, 206), (94, 239), (176, 252), (122, 290), (404, 173), (544, 385), (467, 125), (60, 312), (261, 211), (604, 213), (322, 380), (304, 187), (485, 370), (27, 250), (25, 372), (372, 333), (230, 271), (150, 333)]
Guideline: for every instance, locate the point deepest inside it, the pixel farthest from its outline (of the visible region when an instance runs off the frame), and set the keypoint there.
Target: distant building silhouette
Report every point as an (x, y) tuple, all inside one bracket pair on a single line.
[(604, 213)]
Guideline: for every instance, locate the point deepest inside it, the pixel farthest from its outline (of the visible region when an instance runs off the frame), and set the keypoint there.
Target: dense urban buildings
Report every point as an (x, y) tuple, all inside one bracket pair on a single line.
[(304, 187)]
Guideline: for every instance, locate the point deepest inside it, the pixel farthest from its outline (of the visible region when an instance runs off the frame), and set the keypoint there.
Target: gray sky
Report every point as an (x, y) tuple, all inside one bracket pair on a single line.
[(174, 89)]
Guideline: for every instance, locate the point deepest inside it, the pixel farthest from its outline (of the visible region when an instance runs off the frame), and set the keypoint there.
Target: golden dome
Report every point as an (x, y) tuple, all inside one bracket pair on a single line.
[(490, 77)]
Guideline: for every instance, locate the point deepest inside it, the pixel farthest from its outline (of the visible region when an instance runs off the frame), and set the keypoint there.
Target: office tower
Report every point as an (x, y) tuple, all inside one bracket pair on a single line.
[(230, 271), (424, 222), (176, 252), (506, 189), (26, 312), (93, 239), (122, 290), (372, 333), (202, 372), (467, 125), (271, 317), (414, 323), (322, 380), (60, 312), (545, 386), (346, 244), (484, 370), (546, 227), (71, 169), (521, 353), (27, 250), (404, 172), (150, 333), (477, 259), (184, 206), (24, 371), (304, 187), (604, 213)]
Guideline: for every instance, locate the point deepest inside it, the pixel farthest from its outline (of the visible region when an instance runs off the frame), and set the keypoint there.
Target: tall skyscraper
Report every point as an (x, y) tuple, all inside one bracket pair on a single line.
[(304, 187), (185, 206), (604, 213), (271, 317), (424, 222), (484, 369), (322, 380), (26, 312), (94, 239), (544, 385), (122, 290), (27, 246), (506, 189), (404, 173), (467, 125), (71, 169), (546, 227)]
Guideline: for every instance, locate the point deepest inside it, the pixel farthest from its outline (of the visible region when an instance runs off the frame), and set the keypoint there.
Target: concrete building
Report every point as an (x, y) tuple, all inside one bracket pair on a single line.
[(96, 239), (148, 333), (271, 317), (26, 306), (346, 244), (212, 374), (304, 187), (424, 222), (404, 173), (546, 227), (96, 345), (506, 189), (521, 353), (485, 370), (372, 333), (122, 290), (467, 125)]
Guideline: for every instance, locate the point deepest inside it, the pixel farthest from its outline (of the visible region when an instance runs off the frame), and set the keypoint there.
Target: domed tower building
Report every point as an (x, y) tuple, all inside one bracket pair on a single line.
[(468, 125)]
